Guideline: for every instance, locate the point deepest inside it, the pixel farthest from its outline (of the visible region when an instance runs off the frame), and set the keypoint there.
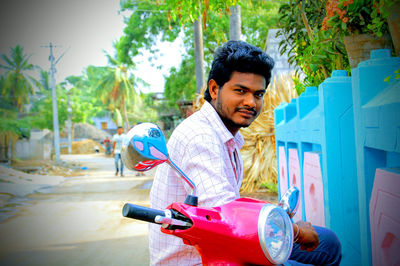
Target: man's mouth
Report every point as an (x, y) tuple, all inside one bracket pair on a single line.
[(247, 112)]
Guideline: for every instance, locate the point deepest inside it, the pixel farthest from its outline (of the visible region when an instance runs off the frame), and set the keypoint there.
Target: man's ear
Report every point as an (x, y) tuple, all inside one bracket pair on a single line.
[(213, 89)]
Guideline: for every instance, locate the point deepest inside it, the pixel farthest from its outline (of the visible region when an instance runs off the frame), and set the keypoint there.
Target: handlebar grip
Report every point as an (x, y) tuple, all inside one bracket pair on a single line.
[(141, 213)]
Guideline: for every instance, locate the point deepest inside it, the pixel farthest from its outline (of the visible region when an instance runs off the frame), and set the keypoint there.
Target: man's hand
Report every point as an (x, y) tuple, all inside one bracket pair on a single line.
[(308, 237)]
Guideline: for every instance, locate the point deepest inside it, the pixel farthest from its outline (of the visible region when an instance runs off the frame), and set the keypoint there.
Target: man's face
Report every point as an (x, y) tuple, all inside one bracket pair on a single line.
[(120, 131), (240, 100)]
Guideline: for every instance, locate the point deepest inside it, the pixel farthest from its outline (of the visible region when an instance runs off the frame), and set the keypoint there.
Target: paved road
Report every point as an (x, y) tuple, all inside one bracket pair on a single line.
[(79, 222)]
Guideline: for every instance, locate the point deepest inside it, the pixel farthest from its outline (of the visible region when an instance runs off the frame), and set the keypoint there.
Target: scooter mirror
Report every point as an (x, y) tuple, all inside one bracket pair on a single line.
[(290, 201), (144, 147)]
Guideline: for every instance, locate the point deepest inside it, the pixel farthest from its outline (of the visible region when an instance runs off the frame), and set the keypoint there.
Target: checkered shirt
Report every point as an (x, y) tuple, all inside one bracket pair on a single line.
[(203, 148)]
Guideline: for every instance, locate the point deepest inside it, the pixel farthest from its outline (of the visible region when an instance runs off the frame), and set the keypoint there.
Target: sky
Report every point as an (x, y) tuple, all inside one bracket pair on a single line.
[(80, 28)]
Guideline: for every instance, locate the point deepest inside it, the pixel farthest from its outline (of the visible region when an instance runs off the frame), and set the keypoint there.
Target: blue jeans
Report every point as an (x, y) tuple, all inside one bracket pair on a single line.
[(329, 251), (117, 157)]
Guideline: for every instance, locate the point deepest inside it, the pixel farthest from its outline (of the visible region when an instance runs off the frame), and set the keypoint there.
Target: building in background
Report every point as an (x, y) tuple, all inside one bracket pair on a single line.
[(105, 123)]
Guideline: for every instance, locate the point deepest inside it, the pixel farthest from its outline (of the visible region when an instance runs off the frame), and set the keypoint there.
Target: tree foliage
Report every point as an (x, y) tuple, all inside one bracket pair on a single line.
[(164, 20), (17, 85), (316, 52), (186, 11), (143, 109), (45, 80), (100, 90), (95, 93), (10, 122), (84, 105), (257, 18), (181, 84), (143, 28), (115, 85)]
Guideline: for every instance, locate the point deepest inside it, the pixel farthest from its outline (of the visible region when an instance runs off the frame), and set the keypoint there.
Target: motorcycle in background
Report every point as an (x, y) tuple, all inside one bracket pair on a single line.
[(242, 232)]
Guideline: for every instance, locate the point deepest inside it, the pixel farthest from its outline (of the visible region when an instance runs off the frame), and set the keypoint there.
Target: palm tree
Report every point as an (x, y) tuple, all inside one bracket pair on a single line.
[(45, 80), (115, 87), (17, 85)]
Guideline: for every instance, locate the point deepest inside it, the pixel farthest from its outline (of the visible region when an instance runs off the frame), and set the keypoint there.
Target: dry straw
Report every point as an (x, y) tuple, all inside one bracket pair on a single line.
[(259, 152)]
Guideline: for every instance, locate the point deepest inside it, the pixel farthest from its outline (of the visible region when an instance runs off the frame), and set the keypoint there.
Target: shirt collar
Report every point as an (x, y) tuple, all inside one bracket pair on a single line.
[(213, 117)]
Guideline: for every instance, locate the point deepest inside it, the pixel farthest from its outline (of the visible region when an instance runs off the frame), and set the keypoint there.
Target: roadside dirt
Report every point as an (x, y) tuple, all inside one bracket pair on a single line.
[(79, 222), (85, 146), (42, 167)]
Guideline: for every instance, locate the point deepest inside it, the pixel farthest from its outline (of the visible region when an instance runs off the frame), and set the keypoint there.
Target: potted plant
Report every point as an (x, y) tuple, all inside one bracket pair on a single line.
[(362, 24), (314, 53)]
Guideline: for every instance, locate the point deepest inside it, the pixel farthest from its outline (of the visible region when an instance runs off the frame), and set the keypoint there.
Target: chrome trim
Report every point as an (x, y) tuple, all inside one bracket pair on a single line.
[(262, 218), (167, 220)]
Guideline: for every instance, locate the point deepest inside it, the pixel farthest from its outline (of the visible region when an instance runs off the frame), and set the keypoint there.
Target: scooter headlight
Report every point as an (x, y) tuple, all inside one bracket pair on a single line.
[(275, 233)]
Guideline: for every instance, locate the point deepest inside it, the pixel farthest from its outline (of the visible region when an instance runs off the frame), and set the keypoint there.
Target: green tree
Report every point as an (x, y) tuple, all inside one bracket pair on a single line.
[(143, 109), (84, 101), (316, 52), (42, 115), (257, 18), (144, 28), (154, 20), (84, 105), (45, 80), (194, 12), (17, 84), (181, 83), (116, 87)]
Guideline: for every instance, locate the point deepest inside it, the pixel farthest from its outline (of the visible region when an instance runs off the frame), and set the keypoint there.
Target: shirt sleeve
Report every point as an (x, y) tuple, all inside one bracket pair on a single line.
[(205, 163)]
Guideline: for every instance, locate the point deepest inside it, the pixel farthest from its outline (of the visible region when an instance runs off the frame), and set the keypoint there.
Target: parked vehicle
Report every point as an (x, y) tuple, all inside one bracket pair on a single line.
[(244, 231)]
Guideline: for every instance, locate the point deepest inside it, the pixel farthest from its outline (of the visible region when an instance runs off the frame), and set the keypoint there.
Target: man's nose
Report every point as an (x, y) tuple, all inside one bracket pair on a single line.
[(249, 100)]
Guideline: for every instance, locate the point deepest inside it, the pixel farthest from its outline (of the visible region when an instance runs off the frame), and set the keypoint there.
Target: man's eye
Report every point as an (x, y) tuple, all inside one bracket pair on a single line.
[(240, 90), (259, 94)]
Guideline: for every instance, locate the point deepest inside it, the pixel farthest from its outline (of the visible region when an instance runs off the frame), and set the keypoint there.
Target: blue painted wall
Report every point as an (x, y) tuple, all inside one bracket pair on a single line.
[(377, 130), (354, 122)]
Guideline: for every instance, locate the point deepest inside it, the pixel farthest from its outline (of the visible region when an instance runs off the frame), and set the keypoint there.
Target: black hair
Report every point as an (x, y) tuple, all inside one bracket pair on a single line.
[(241, 57), (119, 127)]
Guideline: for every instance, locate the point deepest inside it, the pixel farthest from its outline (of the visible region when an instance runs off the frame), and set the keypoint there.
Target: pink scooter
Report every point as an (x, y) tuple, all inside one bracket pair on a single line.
[(242, 232)]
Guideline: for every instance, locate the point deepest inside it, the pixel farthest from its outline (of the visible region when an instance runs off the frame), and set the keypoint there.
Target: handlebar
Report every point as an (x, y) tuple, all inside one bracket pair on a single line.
[(170, 219), (141, 213)]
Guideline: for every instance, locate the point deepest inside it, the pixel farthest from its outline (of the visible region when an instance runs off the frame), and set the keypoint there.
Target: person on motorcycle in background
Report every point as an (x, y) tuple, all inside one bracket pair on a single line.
[(206, 147)]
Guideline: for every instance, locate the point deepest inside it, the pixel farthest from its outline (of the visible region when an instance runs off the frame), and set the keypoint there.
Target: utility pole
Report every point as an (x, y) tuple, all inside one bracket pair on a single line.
[(56, 132), (198, 52)]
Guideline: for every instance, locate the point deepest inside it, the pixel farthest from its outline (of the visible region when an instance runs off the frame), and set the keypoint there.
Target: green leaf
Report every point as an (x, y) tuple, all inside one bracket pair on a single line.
[(314, 67)]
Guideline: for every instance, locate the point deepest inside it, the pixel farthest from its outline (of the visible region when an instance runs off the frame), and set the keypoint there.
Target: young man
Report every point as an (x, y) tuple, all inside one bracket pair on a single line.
[(116, 152), (206, 147)]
